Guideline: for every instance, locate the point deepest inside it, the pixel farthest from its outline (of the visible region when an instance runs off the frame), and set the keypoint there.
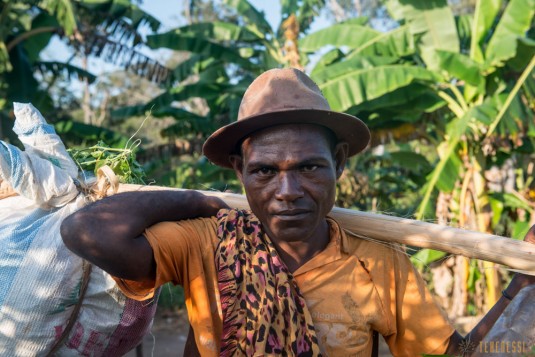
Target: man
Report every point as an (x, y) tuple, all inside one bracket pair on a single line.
[(283, 279)]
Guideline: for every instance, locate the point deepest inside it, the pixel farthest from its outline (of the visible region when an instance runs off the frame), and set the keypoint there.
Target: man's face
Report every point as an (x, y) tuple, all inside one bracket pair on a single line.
[(289, 174)]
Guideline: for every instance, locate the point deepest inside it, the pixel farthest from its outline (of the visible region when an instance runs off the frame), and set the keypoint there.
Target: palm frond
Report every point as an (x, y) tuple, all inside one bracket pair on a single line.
[(65, 69), (126, 57)]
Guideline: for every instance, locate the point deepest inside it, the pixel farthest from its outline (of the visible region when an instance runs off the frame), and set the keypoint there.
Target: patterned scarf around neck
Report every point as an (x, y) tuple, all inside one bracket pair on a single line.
[(264, 312)]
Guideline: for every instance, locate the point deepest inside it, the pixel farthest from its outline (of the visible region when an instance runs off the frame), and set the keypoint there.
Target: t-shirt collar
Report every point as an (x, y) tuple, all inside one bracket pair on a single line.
[(333, 252)]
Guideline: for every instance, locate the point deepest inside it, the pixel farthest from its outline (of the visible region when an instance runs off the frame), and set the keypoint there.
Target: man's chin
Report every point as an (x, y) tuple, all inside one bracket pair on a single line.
[(290, 231)]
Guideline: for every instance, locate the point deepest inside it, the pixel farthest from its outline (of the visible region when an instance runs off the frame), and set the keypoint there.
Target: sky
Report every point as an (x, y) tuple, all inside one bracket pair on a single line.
[(169, 12)]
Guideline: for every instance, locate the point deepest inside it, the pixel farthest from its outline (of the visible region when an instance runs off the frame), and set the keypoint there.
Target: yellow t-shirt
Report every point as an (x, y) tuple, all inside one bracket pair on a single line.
[(351, 288)]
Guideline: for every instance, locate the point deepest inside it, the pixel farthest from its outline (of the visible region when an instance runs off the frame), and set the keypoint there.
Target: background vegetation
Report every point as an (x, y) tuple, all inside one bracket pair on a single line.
[(448, 90)]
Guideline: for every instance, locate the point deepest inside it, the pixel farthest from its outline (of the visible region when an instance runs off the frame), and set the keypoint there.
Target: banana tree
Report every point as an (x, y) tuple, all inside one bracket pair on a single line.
[(459, 89), (109, 29)]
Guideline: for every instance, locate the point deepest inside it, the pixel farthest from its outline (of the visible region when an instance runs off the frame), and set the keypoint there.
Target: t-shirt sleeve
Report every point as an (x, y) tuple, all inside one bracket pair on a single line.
[(414, 323), (175, 245)]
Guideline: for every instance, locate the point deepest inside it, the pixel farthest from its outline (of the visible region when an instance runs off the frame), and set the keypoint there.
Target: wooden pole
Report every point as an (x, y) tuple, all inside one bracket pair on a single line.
[(513, 253)]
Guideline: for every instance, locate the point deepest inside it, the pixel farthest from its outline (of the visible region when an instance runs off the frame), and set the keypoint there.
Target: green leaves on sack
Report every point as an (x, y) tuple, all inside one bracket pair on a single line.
[(121, 161)]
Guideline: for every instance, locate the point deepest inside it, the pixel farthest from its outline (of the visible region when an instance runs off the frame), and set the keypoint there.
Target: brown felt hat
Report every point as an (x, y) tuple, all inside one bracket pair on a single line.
[(283, 96)]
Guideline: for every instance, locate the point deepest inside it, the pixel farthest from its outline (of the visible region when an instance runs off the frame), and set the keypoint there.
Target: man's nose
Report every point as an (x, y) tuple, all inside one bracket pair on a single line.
[(289, 187)]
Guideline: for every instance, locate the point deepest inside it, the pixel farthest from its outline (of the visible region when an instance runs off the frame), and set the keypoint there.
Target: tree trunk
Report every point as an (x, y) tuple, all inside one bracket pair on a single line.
[(86, 100)]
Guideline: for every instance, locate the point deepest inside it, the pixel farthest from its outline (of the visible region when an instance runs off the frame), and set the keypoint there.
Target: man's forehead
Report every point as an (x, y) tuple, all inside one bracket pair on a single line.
[(290, 144), (295, 132)]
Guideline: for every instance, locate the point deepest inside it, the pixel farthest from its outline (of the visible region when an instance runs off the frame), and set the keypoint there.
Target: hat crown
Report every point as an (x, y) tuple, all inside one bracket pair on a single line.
[(281, 90), (280, 97)]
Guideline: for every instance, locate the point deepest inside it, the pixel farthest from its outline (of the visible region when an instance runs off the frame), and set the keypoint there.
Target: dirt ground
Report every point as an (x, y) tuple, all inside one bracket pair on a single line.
[(170, 329)]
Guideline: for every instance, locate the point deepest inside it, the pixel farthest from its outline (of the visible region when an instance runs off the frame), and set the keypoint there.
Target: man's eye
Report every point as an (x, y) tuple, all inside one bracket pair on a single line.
[(265, 171), (309, 168)]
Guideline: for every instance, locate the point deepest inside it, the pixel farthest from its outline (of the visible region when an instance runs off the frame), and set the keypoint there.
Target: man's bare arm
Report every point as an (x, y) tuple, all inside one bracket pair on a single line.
[(518, 282), (109, 233)]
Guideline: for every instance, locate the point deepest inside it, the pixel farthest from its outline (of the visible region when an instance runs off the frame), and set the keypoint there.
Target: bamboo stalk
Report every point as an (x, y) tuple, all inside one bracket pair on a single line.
[(515, 254)]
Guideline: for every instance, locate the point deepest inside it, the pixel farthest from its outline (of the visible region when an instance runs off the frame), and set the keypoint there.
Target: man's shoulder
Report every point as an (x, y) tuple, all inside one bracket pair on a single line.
[(187, 228), (358, 244), (370, 249)]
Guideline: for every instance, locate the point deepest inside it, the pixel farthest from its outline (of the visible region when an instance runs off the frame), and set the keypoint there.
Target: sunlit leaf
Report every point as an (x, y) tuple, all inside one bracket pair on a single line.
[(218, 32), (338, 35), (176, 41), (5, 65), (461, 67), (327, 59), (520, 229), (415, 97), (395, 43), (433, 22), (64, 13), (361, 85), (447, 178), (327, 73), (484, 15), (251, 15), (193, 65), (426, 256), (514, 23), (497, 209)]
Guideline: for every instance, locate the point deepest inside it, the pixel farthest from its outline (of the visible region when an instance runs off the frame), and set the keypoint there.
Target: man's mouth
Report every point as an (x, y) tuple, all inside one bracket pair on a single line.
[(291, 214)]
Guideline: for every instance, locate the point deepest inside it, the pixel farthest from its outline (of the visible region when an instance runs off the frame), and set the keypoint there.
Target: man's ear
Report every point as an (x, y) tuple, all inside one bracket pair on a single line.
[(237, 164), (340, 156)]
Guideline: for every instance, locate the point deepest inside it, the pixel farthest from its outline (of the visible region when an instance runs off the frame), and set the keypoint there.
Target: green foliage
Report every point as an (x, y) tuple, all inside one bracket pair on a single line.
[(76, 133), (386, 182), (470, 107), (306, 11), (338, 35), (105, 28), (425, 257), (253, 18), (121, 161), (357, 86), (171, 297), (515, 21), (432, 23), (194, 173)]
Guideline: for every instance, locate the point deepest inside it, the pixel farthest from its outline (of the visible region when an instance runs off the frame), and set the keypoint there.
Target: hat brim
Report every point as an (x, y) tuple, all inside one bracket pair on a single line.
[(347, 128)]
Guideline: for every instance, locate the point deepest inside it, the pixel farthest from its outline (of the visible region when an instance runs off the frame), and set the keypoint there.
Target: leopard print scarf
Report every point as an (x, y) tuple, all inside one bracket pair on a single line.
[(264, 313)]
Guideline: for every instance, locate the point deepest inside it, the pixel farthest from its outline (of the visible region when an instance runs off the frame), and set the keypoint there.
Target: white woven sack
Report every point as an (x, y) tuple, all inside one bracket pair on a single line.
[(40, 278)]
